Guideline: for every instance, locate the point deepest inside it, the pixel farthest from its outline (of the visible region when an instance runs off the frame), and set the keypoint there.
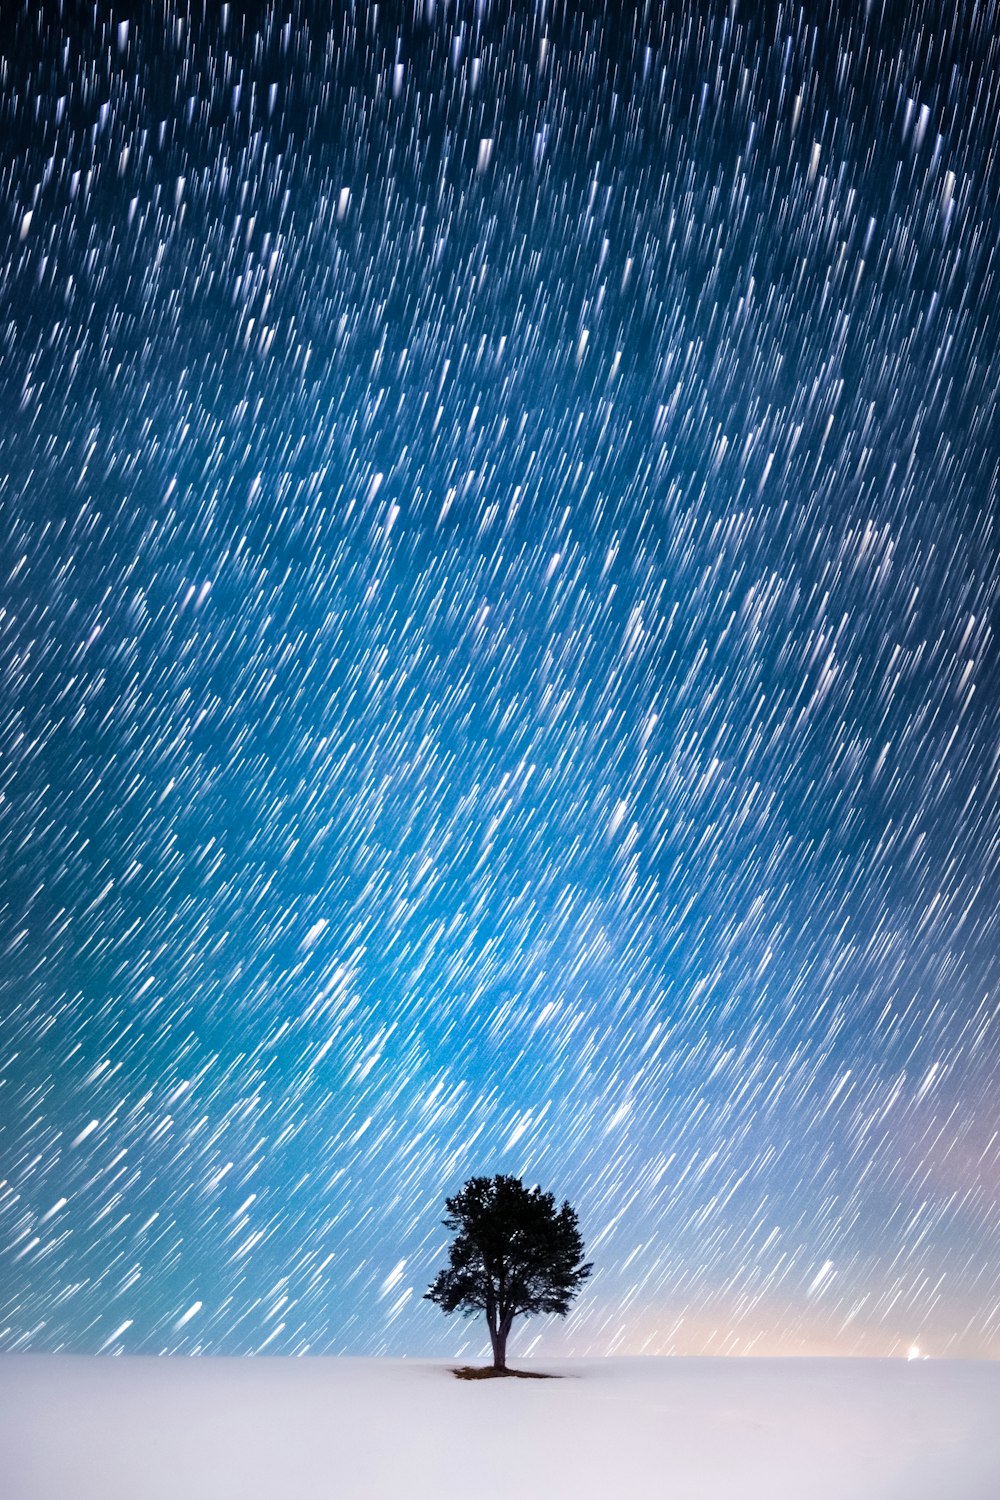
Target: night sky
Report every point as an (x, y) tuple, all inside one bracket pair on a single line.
[(499, 670)]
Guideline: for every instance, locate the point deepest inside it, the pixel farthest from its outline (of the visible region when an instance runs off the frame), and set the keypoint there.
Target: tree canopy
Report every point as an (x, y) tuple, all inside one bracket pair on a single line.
[(513, 1253)]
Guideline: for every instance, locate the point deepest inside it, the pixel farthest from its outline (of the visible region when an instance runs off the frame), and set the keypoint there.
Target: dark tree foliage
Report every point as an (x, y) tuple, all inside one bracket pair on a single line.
[(514, 1252)]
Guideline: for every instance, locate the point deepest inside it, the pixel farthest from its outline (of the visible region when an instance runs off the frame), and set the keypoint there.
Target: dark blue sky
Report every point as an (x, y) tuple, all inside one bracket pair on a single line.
[(498, 671)]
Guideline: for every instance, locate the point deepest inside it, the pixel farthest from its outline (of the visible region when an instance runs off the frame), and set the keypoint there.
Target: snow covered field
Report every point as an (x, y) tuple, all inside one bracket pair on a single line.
[(360, 1429)]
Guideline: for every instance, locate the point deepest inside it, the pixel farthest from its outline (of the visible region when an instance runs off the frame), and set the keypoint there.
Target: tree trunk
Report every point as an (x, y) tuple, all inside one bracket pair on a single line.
[(498, 1339)]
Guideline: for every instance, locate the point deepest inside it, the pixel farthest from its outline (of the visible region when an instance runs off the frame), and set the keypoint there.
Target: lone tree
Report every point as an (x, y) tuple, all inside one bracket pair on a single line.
[(514, 1252)]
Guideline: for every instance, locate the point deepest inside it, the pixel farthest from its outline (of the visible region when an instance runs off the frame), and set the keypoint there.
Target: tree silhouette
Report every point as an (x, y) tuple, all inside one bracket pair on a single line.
[(514, 1252)]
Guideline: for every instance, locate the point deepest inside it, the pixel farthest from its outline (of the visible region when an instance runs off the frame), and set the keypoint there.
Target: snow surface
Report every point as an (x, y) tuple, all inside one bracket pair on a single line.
[(376, 1429)]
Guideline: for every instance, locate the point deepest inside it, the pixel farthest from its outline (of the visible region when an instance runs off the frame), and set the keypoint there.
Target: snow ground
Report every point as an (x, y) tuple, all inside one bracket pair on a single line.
[(380, 1429)]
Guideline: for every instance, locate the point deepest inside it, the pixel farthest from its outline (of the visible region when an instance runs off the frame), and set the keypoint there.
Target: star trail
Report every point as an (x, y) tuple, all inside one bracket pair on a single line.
[(498, 669)]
